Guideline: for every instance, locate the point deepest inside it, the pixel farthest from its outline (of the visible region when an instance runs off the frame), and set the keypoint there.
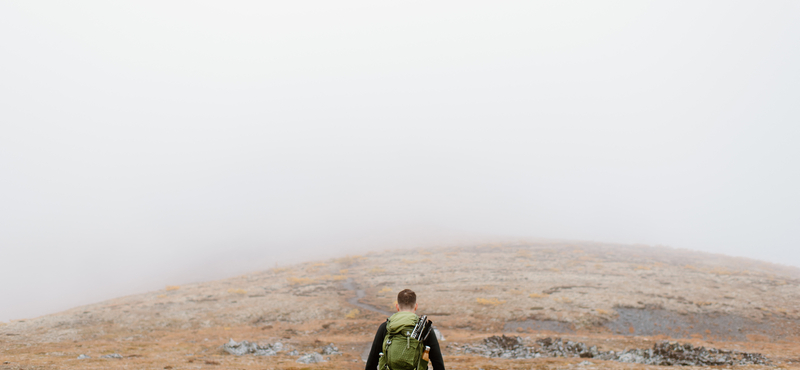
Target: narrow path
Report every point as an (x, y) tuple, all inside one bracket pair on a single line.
[(350, 285)]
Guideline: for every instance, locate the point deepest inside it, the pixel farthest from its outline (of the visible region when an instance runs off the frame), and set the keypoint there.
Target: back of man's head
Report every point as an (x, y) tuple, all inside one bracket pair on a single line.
[(406, 299)]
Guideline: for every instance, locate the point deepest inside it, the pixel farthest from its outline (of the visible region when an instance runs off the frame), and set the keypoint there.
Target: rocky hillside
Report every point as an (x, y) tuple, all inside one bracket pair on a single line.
[(610, 294)]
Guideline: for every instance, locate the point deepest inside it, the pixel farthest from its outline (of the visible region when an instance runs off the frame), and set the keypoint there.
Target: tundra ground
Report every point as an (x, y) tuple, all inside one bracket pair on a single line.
[(612, 296)]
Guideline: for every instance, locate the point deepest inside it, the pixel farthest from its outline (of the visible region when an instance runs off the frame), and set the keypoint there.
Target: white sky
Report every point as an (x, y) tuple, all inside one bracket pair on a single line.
[(149, 143)]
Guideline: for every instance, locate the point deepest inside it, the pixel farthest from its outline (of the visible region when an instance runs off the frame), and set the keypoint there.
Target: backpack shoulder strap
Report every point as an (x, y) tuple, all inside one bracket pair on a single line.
[(383, 344)]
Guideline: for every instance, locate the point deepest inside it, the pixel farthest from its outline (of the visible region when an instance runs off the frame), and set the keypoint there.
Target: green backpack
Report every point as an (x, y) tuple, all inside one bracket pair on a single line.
[(400, 351)]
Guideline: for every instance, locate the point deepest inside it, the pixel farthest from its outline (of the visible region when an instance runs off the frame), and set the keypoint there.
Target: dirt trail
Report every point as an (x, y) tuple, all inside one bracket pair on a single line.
[(350, 285)]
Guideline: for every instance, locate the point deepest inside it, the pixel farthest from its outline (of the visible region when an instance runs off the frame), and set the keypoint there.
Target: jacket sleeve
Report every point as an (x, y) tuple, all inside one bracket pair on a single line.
[(435, 356), (377, 343)]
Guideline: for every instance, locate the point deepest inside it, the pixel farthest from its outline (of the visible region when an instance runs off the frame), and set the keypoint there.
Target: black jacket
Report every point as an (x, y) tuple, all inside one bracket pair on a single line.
[(435, 356)]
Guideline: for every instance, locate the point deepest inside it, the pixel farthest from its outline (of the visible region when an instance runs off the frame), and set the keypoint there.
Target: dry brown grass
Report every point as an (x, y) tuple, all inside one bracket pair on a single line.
[(489, 301), (159, 330), (353, 314), (293, 280)]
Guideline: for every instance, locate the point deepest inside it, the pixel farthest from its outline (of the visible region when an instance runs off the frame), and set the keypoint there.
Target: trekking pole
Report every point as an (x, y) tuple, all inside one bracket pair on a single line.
[(428, 330), (417, 333), (418, 327)]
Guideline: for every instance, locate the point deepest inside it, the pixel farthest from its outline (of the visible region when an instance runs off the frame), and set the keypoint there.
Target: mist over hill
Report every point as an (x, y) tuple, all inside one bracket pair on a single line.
[(611, 296)]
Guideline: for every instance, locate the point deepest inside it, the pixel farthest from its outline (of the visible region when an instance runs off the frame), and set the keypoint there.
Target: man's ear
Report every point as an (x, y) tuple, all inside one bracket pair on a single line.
[(416, 305), (397, 306)]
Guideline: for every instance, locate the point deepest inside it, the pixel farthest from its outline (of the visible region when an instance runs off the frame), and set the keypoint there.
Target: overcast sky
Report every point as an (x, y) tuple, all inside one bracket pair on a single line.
[(150, 143)]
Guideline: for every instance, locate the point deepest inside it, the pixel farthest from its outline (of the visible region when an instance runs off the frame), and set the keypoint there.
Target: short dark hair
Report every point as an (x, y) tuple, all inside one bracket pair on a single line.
[(406, 298)]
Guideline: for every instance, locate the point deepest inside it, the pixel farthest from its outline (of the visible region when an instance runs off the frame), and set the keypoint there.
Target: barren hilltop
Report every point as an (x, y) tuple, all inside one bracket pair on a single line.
[(610, 299)]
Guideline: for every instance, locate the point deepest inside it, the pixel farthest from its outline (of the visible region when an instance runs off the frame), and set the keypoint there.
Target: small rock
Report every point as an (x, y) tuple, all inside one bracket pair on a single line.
[(83, 357), (237, 349), (244, 347), (264, 352), (113, 355), (330, 350), (662, 353), (310, 358), (293, 353)]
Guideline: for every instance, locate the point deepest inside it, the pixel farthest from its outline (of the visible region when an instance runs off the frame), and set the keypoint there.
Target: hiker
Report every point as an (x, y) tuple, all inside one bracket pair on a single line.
[(400, 325)]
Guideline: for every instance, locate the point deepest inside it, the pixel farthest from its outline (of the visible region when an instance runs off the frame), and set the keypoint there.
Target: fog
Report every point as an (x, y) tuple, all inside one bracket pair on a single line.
[(152, 143)]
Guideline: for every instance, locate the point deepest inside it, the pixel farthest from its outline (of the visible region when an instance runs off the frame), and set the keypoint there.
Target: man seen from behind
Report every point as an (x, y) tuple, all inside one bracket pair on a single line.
[(406, 315)]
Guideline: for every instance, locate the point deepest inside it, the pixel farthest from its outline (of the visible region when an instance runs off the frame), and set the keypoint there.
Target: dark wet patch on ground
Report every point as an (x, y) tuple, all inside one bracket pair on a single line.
[(718, 326), (658, 321)]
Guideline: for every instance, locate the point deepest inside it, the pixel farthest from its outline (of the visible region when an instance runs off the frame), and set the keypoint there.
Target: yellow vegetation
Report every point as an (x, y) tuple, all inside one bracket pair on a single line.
[(332, 277), (515, 292), (563, 299), (278, 270), (720, 271), (237, 291), (344, 271), (411, 262), (172, 287), (490, 302), (315, 267), (352, 314), (640, 267), (385, 289), (299, 281), (350, 260), (376, 270), (603, 312), (537, 295), (161, 296)]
